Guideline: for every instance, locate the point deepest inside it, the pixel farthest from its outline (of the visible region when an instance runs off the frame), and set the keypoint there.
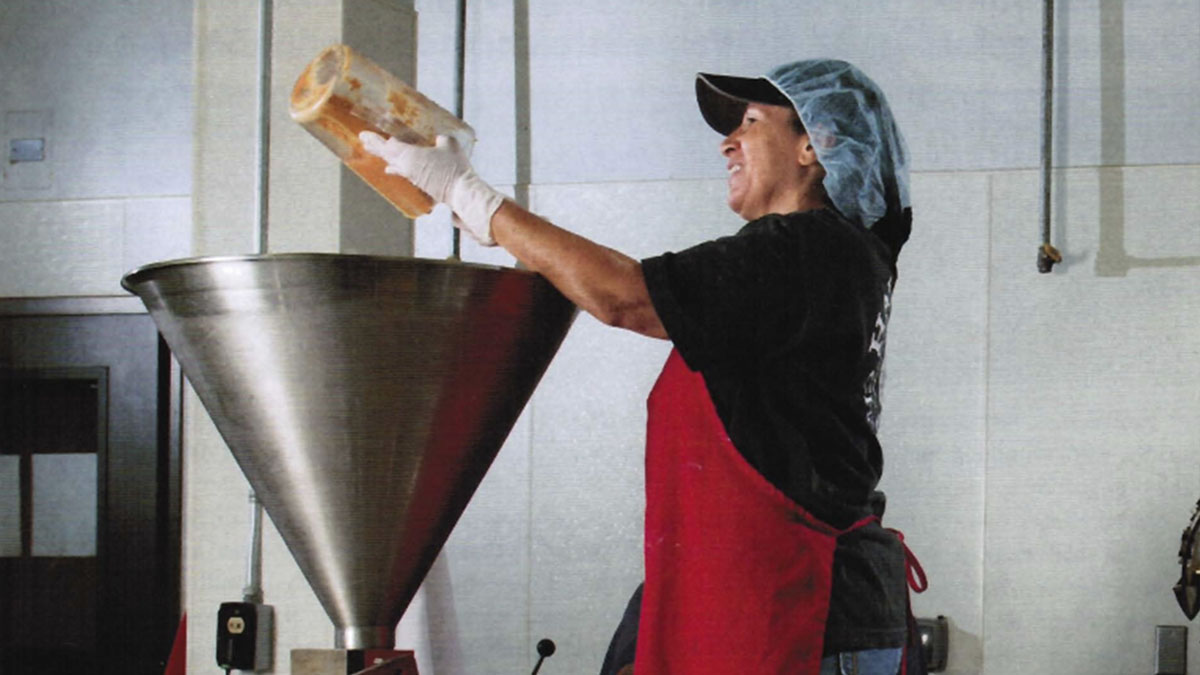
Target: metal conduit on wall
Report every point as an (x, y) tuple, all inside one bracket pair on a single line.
[(521, 97), (1047, 255)]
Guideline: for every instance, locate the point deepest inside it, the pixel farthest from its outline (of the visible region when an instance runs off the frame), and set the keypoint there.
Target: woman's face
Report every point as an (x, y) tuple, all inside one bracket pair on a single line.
[(763, 158)]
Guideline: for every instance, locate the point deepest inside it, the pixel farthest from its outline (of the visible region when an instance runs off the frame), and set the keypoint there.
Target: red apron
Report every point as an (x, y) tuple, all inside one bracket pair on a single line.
[(738, 576)]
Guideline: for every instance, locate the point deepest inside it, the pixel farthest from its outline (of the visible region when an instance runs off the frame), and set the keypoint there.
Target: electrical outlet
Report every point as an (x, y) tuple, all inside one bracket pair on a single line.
[(244, 636)]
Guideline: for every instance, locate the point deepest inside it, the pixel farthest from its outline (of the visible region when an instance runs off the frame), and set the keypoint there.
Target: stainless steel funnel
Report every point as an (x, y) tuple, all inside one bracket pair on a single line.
[(363, 397)]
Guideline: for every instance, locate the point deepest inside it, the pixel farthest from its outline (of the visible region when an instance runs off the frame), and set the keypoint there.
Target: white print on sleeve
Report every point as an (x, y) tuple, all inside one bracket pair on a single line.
[(873, 385)]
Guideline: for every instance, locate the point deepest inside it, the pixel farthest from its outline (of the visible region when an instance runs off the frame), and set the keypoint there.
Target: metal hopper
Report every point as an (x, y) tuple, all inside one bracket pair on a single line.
[(364, 399)]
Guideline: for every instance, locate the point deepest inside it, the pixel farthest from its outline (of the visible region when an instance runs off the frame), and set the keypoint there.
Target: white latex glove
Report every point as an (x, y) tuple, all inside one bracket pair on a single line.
[(444, 173)]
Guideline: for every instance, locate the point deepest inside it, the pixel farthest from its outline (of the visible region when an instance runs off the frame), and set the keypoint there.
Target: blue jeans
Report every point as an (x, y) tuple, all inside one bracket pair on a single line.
[(866, 662)]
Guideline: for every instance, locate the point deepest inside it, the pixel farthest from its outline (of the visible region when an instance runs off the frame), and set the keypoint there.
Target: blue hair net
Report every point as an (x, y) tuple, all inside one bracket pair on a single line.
[(848, 121)]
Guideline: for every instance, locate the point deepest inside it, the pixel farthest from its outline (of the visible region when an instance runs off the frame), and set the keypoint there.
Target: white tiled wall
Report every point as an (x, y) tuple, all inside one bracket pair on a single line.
[(611, 83), (82, 247), (1092, 435), (107, 86)]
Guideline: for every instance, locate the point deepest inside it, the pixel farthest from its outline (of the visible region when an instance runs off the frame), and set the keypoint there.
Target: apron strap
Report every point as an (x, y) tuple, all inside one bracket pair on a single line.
[(918, 583), (917, 580), (916, 574), (860, 524)]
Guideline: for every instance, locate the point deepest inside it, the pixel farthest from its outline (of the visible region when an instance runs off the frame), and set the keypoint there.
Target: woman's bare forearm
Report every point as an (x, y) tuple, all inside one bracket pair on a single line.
[(604, 283)]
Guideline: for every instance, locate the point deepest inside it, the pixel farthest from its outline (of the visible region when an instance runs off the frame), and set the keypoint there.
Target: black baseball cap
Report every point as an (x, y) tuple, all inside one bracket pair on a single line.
[(723, 98)]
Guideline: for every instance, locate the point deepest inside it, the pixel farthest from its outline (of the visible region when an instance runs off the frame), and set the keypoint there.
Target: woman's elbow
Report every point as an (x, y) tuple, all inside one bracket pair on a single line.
[(640, 318)]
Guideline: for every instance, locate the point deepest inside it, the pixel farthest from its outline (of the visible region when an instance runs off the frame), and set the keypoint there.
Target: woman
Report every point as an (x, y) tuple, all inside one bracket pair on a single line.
[(763, 547)]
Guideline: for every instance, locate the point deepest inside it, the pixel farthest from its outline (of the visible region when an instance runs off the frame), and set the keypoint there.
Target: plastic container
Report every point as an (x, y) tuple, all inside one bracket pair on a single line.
[(342, 93)]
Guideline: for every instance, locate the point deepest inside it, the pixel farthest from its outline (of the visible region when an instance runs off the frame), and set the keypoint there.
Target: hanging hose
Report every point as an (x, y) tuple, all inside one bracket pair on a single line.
[(1048, 256)]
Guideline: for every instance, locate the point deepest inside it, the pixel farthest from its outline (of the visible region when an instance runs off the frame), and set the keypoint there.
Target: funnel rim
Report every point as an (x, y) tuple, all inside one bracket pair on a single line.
[(136, 275)]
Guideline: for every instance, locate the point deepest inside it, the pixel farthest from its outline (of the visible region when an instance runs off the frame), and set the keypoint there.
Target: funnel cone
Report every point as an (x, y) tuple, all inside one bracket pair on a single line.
[(364, 399)]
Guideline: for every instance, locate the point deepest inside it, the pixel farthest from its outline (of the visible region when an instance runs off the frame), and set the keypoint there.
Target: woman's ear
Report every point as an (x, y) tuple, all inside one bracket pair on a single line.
[(805, 154)]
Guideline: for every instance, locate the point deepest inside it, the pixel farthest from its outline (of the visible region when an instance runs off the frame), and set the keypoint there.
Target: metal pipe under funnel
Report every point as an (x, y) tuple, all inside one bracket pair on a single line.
[(363, 397)]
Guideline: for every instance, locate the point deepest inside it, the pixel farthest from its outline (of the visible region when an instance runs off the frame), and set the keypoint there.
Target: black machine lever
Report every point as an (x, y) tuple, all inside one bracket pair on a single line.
[(545, 648), (1187, 590)]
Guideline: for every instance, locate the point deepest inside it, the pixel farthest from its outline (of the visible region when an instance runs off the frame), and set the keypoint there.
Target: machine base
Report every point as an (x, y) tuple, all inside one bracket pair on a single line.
[(352, 662)]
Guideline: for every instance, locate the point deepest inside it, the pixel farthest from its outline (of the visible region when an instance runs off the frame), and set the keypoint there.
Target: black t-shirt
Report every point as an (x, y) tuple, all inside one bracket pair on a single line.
[(787, 321)]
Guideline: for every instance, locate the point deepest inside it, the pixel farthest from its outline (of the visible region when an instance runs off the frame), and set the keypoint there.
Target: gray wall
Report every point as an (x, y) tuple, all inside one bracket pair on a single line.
[(1040, 429)]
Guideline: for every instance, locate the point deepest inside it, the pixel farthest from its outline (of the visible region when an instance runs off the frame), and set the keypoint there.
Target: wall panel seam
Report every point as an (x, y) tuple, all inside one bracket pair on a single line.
[(987, 421)]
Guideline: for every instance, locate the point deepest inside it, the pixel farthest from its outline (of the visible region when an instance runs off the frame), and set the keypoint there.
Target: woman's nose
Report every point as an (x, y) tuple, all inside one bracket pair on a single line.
[(728, 144)]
